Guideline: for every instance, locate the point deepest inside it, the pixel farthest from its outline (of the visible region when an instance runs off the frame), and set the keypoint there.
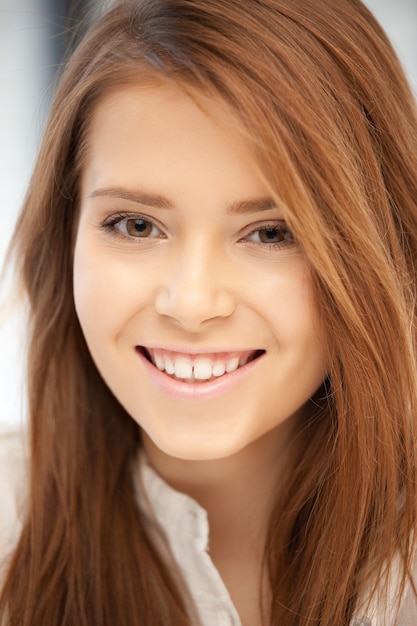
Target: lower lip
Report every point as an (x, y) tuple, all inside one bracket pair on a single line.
[(197, 391)]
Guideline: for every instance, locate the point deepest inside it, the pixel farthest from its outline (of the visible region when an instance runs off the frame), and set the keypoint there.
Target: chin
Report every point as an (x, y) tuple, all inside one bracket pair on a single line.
[(195, 448)]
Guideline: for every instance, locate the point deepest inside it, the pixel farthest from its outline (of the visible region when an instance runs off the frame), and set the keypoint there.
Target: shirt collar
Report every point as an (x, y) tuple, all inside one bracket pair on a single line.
[(184, 525)]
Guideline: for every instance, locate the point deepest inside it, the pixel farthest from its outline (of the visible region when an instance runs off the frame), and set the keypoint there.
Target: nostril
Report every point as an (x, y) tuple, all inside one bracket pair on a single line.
[(192, 304)]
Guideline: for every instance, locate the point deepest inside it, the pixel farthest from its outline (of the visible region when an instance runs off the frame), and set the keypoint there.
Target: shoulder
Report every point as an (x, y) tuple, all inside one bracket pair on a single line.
[(13, 486), (408, 612)]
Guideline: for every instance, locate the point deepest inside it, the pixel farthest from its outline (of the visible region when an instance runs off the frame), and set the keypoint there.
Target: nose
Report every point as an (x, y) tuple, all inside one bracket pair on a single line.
[(197, 288)]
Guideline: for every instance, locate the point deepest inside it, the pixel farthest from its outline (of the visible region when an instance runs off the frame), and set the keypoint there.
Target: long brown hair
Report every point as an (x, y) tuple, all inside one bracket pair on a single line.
[(332, 122)]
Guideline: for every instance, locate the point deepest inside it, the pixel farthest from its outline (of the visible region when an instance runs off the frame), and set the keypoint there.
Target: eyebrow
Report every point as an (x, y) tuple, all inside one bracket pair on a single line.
[(252, 206), (147, 199), (161, 202)]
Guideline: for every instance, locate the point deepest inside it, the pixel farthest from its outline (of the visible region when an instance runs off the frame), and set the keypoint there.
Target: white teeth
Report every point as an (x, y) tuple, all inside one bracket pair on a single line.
[(159, 362), (219, 368), (203, 369), (232, 365), (196, 368), (169, 366), (183, 367)]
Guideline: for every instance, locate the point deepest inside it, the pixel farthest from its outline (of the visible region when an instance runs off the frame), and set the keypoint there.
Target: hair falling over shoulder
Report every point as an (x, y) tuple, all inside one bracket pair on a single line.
[(321, 97)]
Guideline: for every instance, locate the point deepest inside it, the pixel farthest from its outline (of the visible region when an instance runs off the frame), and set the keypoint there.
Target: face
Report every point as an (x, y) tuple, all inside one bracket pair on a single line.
[(193, 296)]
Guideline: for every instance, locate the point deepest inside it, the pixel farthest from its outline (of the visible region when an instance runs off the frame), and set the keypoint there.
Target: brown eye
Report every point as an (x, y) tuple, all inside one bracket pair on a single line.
[(134, 227), (272, 235), (138, 227)]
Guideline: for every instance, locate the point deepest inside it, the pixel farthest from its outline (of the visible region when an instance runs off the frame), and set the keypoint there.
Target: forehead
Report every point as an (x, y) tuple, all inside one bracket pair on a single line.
[(160, 136), (165, 107)]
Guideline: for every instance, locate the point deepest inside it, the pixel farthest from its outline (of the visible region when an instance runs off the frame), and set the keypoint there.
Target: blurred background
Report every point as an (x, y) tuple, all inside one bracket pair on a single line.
[(35, 36)]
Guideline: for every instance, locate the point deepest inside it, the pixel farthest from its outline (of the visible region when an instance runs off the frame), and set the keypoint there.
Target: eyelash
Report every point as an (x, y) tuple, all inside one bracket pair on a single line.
[(110, 226), (287, 238)]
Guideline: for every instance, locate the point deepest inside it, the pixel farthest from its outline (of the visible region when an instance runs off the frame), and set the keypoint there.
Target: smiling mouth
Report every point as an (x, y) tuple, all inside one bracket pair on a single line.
[(198, 368)]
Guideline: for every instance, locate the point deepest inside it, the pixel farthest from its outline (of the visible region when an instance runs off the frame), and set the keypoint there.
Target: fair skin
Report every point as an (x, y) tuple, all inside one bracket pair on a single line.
[(184, 269)]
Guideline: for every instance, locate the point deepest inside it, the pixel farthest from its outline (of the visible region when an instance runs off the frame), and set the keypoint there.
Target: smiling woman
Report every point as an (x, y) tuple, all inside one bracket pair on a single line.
[(195, 269), (218, 248)]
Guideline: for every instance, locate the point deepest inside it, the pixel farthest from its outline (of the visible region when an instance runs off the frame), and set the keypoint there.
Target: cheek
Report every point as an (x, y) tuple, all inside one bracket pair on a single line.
[(106, 286), (88, 283), (99, 289), (284, 298)]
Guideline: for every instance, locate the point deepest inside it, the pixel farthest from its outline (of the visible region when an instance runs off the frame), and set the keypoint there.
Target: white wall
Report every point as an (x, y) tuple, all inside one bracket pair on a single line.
[(25, 52), (24, 36), (399, 19), (25, 75)]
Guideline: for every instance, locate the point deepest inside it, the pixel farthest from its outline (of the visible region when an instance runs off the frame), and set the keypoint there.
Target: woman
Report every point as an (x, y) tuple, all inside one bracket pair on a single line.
[(218, 247)]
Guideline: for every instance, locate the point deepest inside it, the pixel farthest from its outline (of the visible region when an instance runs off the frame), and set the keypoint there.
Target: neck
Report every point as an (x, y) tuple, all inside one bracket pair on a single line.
[(238, 493), (235, 491)]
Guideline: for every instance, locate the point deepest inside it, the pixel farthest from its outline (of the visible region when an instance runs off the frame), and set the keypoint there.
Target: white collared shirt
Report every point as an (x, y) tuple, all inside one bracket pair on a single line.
[(184, 524), (179, 527)]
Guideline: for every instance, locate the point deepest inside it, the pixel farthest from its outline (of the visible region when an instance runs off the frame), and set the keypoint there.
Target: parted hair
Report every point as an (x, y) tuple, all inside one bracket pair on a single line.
[(323, 102)]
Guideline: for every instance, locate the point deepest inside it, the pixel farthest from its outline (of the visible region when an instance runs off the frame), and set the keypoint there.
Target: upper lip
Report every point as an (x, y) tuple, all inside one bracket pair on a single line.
[(193, 351)]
